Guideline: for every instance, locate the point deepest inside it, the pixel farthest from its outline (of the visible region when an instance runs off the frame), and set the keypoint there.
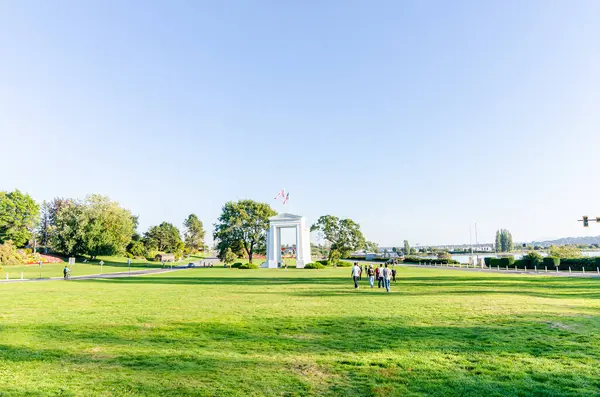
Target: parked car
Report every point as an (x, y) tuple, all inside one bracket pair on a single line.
[(191, 264)]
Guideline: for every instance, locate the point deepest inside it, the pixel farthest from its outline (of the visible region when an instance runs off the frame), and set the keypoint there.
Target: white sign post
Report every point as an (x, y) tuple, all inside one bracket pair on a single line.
[(101, 264)]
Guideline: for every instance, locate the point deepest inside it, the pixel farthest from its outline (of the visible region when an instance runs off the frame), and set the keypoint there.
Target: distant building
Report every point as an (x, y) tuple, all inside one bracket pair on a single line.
[(165, 258)]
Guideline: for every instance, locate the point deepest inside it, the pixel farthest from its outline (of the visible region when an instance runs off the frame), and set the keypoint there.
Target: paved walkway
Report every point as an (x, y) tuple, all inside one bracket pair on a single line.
[(102, 275)]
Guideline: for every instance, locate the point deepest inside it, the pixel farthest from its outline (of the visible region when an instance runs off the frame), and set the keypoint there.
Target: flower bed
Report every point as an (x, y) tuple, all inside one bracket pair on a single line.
[(36, 258)]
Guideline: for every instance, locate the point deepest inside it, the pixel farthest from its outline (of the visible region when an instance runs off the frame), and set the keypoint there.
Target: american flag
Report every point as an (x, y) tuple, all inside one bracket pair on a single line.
[(280, 194)]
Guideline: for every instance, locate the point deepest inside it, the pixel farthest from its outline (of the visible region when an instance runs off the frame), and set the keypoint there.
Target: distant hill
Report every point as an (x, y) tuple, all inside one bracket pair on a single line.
[(569, 240)]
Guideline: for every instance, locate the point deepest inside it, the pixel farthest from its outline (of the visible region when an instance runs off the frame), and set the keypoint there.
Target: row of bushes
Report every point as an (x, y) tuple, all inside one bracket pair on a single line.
[(362, 258), (502, 262), (339, 263), (577, 264), (434, 261)]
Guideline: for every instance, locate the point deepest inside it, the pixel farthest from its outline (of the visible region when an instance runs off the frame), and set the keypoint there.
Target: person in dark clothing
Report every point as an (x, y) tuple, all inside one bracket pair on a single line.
[(394, 273), (371, 274)]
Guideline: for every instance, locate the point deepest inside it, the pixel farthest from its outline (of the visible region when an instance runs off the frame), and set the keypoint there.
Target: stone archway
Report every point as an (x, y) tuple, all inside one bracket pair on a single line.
[(283, 221)]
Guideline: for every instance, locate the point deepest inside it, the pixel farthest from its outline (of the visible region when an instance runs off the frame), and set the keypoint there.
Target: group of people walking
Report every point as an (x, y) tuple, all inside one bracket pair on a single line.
[(383, 275)]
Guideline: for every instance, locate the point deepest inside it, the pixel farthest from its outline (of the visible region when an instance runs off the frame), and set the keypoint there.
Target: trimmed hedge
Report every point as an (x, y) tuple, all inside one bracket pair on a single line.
[(507, 261), (236, 265), (551, 263), (362, 258), (314, 265), (521, 264), (488, 261), (502, 262), (528, 264), (435, 261), (578, 264)]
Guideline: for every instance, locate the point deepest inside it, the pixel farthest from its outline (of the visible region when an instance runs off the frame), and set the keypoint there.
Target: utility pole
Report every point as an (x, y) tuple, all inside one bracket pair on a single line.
[(471, 242), (476, 245)]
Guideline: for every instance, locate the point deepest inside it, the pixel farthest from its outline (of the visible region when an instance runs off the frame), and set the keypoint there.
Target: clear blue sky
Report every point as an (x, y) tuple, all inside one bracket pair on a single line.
[(412, 118)]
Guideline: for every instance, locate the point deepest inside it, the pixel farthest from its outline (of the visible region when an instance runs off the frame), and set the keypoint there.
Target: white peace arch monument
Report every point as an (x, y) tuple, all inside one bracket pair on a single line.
[(283, 221)]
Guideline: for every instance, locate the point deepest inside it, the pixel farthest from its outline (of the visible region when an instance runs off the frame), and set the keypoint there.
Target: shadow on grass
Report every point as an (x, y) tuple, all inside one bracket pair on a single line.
[(409, 286), (349, 355)]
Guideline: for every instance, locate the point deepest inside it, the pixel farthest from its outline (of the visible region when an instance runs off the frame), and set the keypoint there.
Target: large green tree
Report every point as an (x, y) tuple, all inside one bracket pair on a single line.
[(406, 248), (504, 241), (565, 251), (343, 234), (18, 217), (164, 237), (194, 234), (44, 226), (498, 241), (110, 227), (243, 226), (371, 246), (95, 226), (68, 228)]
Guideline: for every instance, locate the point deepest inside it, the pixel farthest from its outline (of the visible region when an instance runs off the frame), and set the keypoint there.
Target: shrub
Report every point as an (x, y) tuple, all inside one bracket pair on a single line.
[(129, 255), (495, 262), (551, 262), (579, 264), (443, 255), (247, 266), (9, 255), (488, 260), (237, 265), (522, 264), (565, 252), (527, 264), (533, 258), (314, 265), (151, 254), (339, 263), (507, 261)]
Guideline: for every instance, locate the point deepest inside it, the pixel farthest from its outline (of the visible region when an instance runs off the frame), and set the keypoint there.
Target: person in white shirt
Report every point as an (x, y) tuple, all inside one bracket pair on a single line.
[(355, 274), (387, 276)]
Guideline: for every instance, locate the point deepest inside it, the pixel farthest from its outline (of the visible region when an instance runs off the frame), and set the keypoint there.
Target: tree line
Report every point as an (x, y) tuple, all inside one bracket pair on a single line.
[(93, 226), (241, 231)]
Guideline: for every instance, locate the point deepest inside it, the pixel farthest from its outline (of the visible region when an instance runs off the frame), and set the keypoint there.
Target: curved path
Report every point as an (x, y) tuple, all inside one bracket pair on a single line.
[(99, 275)]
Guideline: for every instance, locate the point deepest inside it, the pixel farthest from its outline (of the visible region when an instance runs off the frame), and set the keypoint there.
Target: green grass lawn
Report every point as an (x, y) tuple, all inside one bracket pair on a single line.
[(227, 332), (112, 264)]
